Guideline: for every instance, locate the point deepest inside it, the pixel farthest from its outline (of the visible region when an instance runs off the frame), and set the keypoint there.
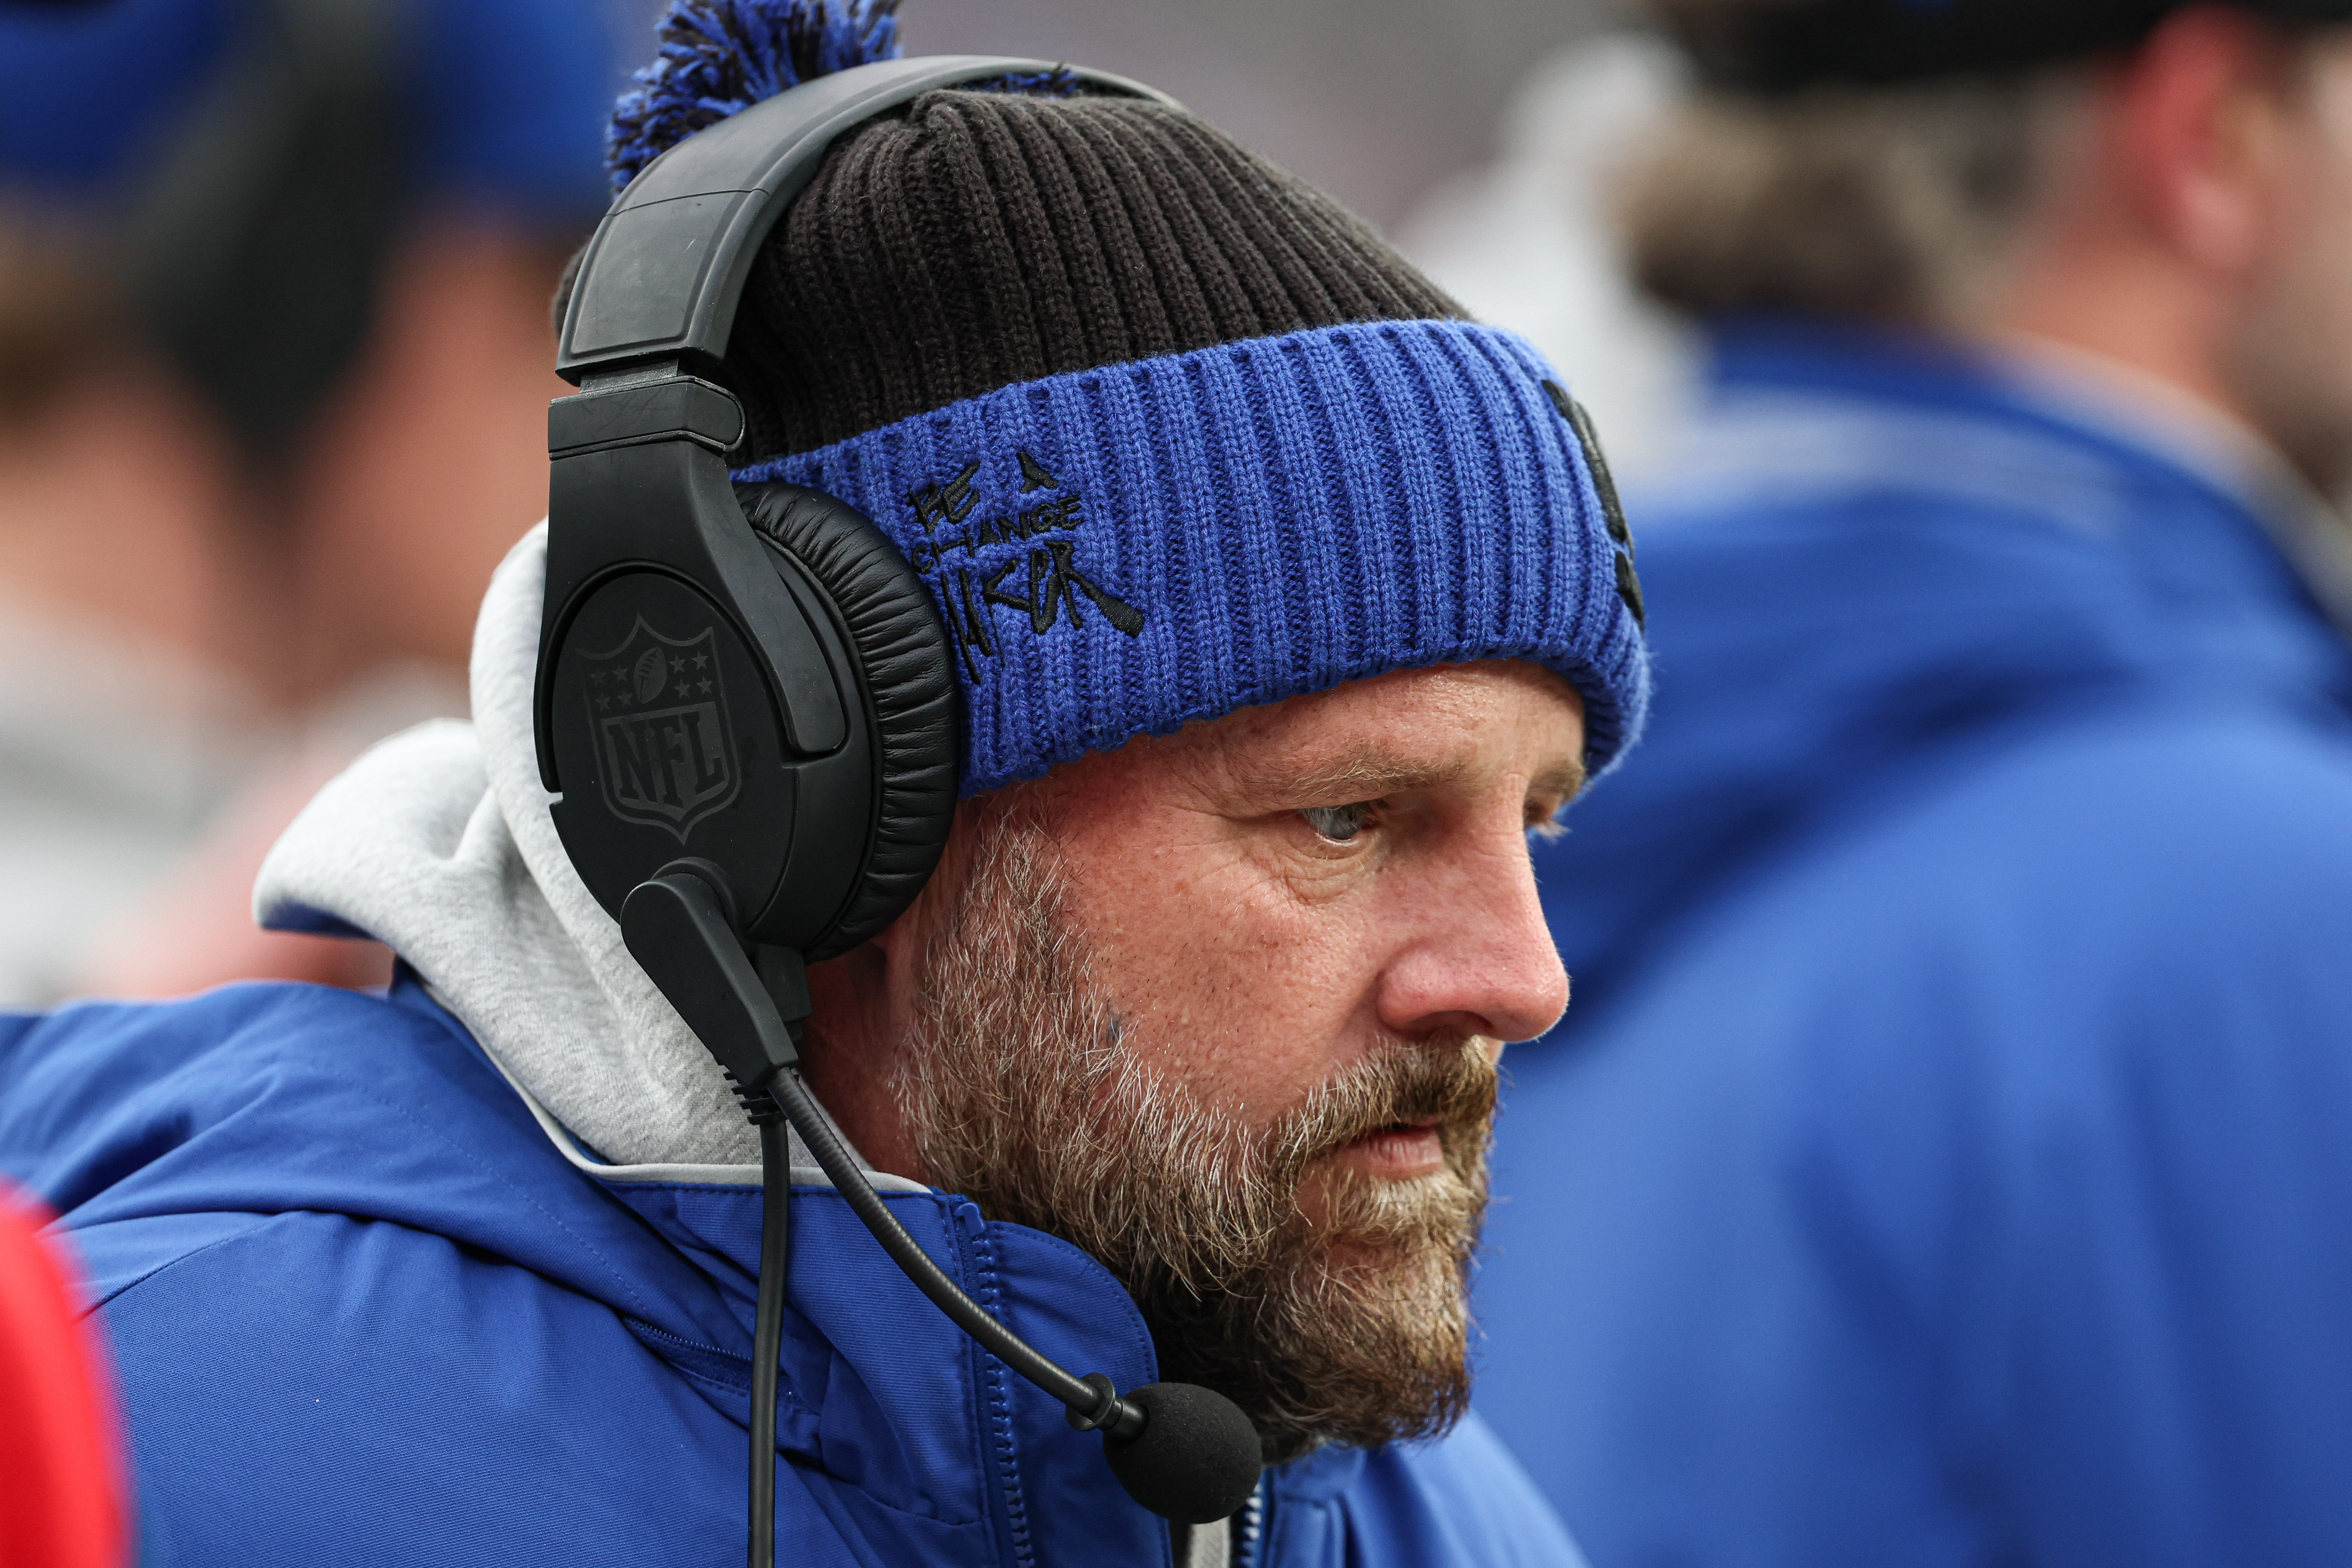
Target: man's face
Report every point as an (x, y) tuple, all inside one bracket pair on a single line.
[(2289, 352), (1224, 1008)]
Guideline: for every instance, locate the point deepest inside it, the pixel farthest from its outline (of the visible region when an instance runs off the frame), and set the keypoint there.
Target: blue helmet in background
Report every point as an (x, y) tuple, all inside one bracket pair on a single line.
[(500, 101), (248, 165)]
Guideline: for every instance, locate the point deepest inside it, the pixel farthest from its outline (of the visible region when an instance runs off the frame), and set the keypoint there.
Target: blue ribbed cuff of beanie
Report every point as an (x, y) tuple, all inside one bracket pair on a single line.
[(1118, 551)]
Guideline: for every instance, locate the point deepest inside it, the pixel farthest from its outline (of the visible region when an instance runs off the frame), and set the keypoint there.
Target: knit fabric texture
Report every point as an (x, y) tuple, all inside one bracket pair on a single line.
[(1122, 549), (974, 240)]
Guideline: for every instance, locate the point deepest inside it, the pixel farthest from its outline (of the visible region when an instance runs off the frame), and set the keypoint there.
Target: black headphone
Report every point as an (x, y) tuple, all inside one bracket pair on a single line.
[(748, 705)]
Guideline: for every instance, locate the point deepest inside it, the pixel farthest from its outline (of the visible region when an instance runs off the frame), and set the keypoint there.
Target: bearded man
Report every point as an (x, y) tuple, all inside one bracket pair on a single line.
[(1181, 1063)]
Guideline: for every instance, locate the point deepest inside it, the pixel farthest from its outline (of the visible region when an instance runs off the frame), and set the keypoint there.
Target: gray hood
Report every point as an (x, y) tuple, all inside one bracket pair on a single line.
[(439, 843)]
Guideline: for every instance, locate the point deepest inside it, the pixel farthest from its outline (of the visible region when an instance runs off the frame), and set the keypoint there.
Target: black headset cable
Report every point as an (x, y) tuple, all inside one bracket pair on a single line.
[(768, 1333)]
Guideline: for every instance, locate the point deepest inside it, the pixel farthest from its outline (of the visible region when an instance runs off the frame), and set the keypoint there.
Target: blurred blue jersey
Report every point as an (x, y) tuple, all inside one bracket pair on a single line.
[(1948, 1158)]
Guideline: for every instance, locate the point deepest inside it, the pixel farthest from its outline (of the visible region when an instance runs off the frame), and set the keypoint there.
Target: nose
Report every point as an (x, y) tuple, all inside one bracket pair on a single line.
[(1476, 958)]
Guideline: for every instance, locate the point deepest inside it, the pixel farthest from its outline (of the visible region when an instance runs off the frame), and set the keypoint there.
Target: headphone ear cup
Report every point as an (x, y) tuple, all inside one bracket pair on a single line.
[(907, 674)]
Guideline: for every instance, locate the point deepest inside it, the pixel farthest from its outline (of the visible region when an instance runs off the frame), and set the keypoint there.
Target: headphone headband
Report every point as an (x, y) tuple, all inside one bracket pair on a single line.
[(666, 266)]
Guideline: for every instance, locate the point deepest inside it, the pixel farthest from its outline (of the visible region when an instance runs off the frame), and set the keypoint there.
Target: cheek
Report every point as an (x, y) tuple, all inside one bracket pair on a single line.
[(2302, 325), (1221, 976), (2320, 239), (2328, 267)]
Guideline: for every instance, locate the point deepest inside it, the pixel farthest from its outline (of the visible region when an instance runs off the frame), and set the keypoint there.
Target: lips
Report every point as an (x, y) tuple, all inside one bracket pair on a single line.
[(1382, 1116), (1399, 1151)]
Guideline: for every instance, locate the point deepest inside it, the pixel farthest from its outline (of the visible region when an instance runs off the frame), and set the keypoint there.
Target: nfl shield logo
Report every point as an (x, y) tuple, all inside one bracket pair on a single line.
[(658, 711)]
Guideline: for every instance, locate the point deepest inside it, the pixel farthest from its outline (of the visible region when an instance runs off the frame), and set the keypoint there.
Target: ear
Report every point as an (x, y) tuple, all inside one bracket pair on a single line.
[(2203, 137)]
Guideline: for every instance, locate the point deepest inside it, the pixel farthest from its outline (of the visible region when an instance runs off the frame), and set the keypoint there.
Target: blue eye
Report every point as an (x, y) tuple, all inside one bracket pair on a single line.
[(1339, 824)]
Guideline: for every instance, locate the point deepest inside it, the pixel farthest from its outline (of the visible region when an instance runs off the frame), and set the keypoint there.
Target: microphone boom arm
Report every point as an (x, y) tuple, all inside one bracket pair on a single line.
[(1091, 1401), (1197, 1462)]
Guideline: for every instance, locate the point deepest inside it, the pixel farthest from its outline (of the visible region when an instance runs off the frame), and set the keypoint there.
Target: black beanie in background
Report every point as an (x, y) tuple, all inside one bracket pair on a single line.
[(1777, 48)]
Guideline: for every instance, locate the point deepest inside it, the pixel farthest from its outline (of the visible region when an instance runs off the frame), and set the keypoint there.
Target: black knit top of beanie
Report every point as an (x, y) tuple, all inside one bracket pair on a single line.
[(976, 239)]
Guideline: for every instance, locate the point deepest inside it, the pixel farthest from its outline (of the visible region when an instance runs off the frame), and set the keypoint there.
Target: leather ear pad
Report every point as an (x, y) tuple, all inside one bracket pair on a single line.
[(906, 664)]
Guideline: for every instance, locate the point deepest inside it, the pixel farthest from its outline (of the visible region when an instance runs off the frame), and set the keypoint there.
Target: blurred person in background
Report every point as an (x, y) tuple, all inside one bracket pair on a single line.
[(1950, 1158), (273, 371)]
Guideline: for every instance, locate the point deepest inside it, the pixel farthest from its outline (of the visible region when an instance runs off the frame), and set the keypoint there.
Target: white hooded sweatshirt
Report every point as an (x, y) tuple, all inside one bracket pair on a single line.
[(439, 843)]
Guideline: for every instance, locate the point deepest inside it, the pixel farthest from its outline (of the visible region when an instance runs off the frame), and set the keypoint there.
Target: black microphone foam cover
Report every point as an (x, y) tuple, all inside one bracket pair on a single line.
[(1196, 1459)]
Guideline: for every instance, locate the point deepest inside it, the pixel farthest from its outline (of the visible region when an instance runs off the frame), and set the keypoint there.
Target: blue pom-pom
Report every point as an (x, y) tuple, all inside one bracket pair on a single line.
[(721, 56)]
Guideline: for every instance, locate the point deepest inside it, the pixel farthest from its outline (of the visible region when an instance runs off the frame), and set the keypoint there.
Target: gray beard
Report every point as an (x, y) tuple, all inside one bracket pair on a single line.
[(1023, 1091)]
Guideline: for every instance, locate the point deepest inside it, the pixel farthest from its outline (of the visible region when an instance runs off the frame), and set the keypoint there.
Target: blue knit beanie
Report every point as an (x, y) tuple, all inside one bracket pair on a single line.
[(1167, 432)]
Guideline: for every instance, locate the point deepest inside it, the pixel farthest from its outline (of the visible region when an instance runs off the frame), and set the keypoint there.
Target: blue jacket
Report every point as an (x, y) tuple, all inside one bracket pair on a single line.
[(1948, 1158), (363, 1312)]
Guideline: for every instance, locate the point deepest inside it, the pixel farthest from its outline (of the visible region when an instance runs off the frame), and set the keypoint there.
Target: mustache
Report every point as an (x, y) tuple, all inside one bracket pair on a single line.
[(1450, 1084)]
